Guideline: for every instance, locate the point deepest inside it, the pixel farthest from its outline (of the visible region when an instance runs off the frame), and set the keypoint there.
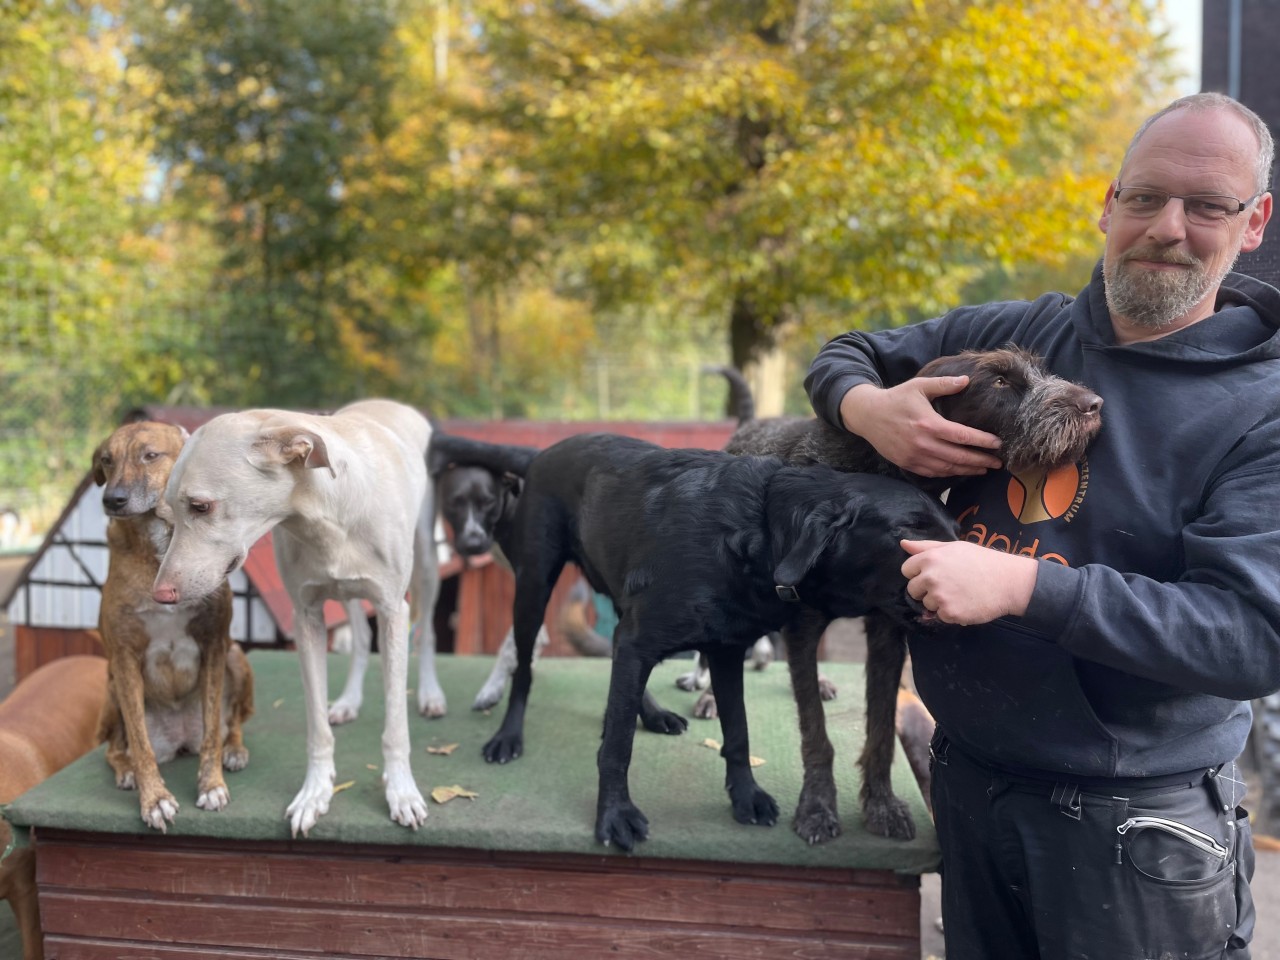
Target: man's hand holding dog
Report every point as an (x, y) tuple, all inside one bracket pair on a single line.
[(964, 583), (902, 425)]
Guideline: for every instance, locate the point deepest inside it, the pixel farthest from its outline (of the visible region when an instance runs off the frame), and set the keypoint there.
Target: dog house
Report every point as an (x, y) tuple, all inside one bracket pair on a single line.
[(53, 606)]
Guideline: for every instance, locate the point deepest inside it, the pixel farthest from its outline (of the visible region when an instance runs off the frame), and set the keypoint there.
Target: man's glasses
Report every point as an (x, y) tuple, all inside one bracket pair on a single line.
[(1204, 209)]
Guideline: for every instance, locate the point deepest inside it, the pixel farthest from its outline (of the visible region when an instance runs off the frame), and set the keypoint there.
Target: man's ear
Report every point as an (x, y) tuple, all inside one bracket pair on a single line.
[(286, 445), (1108, 207), (1259, 214)]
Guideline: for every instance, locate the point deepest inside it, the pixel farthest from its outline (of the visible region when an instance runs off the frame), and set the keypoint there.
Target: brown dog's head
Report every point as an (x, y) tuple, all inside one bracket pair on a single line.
[(1043, 420), (133, 465)]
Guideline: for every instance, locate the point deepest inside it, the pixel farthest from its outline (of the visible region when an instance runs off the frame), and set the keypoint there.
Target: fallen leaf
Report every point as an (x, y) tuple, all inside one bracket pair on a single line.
[(276, 704), (445, 794), (343, 786), (445, 750), (371, 766), (757, 761), (713, 744)]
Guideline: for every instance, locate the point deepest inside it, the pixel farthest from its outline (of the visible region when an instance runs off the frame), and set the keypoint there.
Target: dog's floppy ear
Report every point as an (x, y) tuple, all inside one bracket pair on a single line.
[(815, 535), (450, 450), (99, 475), (287, 444)]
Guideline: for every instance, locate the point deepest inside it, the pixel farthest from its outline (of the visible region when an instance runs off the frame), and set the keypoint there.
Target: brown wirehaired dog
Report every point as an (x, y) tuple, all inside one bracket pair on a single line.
[(177, 682), (1043, 422), (35, 743)]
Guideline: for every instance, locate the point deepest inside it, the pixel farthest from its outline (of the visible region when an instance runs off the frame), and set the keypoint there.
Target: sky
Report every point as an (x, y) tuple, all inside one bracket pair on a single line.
[(1185, 23)]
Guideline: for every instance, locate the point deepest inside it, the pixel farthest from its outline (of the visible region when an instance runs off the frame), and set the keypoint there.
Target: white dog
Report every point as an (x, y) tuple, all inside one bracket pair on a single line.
[(348, 497)]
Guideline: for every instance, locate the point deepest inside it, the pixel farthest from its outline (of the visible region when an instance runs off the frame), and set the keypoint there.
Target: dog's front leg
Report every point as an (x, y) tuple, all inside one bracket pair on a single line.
[(211, 788), (158, 805), (817, 817), (618, 820), (533, 590), (312, 801), (403, 797), (884, 813), (750, 803)]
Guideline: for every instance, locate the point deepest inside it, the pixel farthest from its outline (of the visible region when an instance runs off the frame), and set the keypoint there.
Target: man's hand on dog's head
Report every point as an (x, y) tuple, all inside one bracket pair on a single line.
[(964, 583)]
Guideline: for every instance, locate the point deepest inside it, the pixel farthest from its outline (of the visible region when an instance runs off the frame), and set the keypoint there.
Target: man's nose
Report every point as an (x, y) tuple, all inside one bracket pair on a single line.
[(1170, 224)]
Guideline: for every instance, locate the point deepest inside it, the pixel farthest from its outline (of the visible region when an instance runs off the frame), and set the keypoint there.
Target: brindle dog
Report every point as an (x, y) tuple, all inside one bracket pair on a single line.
[(1043, 422)]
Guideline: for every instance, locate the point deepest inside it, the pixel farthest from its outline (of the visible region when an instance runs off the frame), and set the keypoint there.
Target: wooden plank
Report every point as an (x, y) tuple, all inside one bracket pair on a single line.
[(719, 897), (64, 948), (421, 934)]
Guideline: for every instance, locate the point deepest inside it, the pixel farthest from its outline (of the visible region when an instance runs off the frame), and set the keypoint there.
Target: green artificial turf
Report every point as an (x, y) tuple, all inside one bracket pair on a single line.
[(543, 802)]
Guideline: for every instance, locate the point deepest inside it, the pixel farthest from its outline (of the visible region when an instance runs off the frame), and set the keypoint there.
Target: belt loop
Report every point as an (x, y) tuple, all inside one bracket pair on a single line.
[(1066, 797)]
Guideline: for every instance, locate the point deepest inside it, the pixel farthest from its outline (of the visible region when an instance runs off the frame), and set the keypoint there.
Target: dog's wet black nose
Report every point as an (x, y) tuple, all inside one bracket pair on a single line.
[(1090, 404), (114, 500)]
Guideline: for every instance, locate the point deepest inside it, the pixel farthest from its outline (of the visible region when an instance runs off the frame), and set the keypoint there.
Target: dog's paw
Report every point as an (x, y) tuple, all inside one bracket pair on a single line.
[(488, 697), (504, 748), (343, 711), (816, 820), (214, 798), (158, 811), (405, 801), (432, 705), (689, 681), (705, 708), (311, 803), (664, 721), (235, 758), (622, 825), (826, 689), (751, 804), (888, 817)]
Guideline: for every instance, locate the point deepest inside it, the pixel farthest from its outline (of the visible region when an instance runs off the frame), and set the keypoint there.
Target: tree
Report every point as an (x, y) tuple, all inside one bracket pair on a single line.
[(813, 162)]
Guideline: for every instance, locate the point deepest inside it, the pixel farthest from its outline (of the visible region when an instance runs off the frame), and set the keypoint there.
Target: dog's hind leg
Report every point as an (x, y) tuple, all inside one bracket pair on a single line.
[(883, 813), (237, 707), (658, 720), (312, 800), (347, 707), (425, 592), (751, 804), (817, 817)]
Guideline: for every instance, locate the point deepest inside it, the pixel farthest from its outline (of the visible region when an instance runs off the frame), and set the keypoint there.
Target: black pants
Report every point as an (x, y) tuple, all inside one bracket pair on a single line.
[(1033, 870)]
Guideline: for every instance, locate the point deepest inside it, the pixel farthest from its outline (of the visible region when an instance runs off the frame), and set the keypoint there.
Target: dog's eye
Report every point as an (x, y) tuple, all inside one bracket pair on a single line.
[(105, 460), (999, 382), (149, 456), (200, 506)]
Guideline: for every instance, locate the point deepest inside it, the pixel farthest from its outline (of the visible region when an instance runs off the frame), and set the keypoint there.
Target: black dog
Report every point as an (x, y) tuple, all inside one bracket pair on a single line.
[(701, 550), (479, 504), (1043, 422)]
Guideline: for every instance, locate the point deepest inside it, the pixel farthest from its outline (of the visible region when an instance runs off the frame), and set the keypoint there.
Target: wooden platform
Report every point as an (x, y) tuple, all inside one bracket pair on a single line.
[(514, 873)]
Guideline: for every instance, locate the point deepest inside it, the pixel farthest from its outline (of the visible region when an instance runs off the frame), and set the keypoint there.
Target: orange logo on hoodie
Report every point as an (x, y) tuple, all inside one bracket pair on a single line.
[(1038, 495)]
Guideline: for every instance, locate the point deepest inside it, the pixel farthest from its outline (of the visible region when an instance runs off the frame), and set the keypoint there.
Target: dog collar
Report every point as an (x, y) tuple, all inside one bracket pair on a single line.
[(787, 594)]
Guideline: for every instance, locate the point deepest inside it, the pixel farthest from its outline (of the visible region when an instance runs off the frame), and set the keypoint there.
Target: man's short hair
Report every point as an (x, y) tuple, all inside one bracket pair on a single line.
[(1220, 101)]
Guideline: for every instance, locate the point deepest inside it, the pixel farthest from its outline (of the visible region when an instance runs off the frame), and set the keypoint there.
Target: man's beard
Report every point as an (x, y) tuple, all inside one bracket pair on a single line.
[(1154, 299)]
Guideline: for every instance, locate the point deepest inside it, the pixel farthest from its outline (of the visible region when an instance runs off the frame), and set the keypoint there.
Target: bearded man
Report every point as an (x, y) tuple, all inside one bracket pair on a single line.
[(1092, 673)]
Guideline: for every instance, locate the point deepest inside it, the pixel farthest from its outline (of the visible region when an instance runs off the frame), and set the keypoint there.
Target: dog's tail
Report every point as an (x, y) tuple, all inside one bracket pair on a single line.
[(741, 400), (448, 450), (573, 621)]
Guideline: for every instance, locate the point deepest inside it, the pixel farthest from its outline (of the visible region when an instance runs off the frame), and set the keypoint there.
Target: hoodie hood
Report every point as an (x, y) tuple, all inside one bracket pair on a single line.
[(1245, 327)]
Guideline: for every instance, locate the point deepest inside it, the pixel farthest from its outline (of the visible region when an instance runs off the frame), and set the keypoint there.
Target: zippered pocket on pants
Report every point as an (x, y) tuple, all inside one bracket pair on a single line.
[(1191, 835)]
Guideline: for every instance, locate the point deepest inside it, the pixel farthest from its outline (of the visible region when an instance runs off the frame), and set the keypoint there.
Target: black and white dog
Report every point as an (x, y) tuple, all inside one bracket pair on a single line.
[(701, 550)]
